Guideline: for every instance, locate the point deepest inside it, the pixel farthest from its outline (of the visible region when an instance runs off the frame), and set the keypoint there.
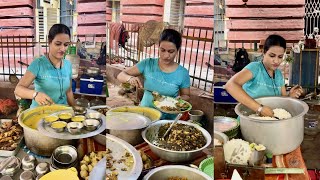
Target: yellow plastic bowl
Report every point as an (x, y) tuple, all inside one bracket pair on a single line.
[(70, 174)]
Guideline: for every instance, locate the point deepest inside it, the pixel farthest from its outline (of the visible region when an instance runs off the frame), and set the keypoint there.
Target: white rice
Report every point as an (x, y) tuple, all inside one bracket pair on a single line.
[(278, 112)]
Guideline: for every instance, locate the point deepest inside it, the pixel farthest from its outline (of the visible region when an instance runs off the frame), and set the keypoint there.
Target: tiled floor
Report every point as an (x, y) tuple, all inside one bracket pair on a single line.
[(310, 148)]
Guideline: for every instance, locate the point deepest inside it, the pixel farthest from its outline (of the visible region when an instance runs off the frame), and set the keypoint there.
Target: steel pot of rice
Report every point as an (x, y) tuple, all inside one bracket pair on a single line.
[(279, 136)]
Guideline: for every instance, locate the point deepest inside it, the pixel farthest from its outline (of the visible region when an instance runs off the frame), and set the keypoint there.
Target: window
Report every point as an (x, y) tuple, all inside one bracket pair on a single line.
[(177, 13)]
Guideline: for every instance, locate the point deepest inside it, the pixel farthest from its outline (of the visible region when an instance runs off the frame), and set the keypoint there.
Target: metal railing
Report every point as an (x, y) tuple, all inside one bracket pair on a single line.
[(15, 54), (196, 53)]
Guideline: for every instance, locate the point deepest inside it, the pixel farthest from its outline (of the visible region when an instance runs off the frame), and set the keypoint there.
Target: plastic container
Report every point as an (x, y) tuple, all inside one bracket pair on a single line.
[(91, 85), (221, 95), (74, 59), (206, 166)]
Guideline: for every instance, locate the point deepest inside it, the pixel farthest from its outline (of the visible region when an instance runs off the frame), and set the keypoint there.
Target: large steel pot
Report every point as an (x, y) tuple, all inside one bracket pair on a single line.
[(35, 141), (127, 126), (279, 136), (130, 134)]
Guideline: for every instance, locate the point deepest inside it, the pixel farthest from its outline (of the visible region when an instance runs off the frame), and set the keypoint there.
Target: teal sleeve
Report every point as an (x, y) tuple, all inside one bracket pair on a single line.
[(186, 79), (142, 65), (253, 68), (282, 83), (34, 67)]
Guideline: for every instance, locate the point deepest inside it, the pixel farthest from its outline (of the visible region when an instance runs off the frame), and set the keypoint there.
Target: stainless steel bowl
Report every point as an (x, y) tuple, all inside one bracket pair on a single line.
[(93, 115), (65, 117), (221, 137), (150, 134), (50, 119), (58, 130), (91, 124), (164, 172), (12, 167), (74, 127), (79, 110), (78, 118), (65, 154)]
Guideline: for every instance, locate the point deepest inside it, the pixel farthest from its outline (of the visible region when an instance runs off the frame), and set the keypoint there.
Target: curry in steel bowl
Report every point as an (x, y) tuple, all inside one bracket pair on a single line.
[(182, 137)]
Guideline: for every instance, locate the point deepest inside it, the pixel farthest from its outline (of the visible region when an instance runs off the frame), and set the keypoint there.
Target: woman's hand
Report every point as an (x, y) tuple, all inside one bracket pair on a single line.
[(266, 111), (43, 99), (296, 91), (135, 81)]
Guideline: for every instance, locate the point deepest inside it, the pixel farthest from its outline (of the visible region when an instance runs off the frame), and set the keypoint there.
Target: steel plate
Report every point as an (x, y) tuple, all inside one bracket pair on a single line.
[(118, 148), (99, 170)]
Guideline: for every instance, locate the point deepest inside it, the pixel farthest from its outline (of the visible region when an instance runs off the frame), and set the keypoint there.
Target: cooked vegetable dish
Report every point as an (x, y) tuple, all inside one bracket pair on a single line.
[(177, 178), (10, 133), (126, 159), (181, 138)]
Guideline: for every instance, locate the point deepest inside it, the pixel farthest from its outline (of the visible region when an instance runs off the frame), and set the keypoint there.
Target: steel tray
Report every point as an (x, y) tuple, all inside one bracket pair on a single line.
[(48, 131)]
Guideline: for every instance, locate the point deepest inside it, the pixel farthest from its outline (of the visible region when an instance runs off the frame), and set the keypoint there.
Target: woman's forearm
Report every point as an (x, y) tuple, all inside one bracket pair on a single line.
[(23, 92), (185, 97), (70, 97), (124, 77), (236, 91)]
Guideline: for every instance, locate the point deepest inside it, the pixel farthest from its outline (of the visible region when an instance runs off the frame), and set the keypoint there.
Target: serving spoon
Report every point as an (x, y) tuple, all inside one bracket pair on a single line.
[(174, 122)]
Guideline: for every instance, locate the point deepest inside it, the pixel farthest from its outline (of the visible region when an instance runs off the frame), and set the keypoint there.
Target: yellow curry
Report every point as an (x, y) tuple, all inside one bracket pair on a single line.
[(78, 119), (58, 125), (51, 118), (34, 121), (65, 116), (32, 117)]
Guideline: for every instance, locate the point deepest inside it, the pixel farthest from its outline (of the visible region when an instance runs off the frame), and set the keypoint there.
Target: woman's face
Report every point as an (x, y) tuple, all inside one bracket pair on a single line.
[(59, 45), (168, 52), (273, 57)]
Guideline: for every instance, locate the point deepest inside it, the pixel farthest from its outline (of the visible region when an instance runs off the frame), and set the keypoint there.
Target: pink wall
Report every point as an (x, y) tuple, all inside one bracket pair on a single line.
[(92, 19), (141, 11), (17, 8), (261, 18), (199, 14)]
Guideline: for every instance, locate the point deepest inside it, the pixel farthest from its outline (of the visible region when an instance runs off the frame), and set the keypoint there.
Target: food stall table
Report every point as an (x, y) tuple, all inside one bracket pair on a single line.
[(157, 161), (291, 160)]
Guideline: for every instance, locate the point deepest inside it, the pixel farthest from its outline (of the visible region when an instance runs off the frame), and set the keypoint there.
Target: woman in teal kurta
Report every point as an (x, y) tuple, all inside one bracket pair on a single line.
[(51, 74), (260, 79), (161, 74)]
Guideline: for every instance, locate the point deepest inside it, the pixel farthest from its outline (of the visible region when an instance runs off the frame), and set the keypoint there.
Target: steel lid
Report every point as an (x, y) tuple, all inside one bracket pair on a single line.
[(126, 121)]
